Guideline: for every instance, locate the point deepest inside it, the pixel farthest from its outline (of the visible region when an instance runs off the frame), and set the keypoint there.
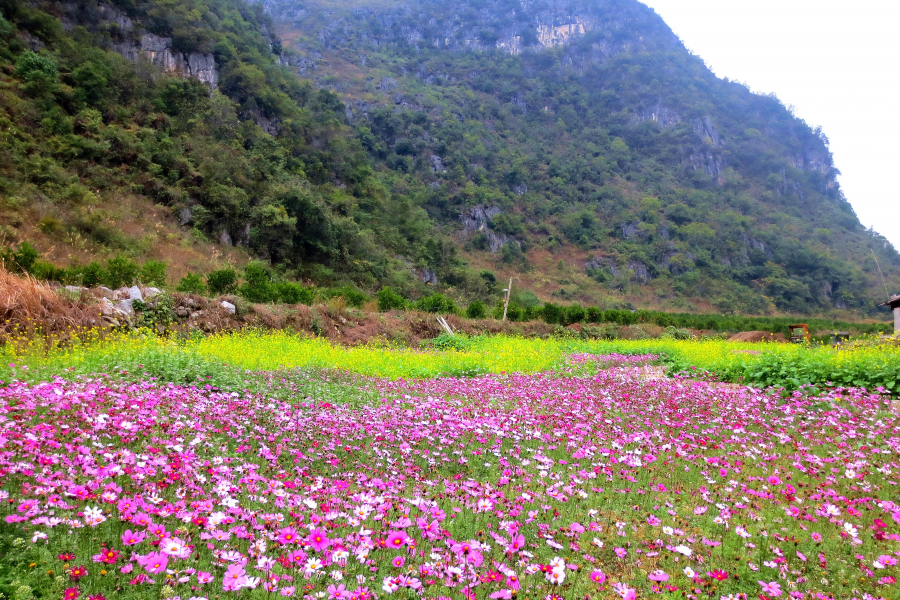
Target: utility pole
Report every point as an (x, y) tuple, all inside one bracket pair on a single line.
[(506, 303)]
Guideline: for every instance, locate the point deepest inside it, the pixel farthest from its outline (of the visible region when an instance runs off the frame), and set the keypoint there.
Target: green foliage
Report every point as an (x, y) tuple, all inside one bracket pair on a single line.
[(153, 273), (437, 303), (156, 313), (293, 293), (93, 275), (351, 295), (222, 281), (22, 259), (388, 299), (258, 285), (191, 284), (120, 272), (476, 310)]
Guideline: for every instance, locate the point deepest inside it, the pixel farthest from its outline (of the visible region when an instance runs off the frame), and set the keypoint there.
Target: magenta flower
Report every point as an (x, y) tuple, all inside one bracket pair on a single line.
[(658, 576), (287, 535), (130, 538), (338, 592), (155, 563), (598, 576), (234, 578), (772, 588), (396, 539), (318, 539)]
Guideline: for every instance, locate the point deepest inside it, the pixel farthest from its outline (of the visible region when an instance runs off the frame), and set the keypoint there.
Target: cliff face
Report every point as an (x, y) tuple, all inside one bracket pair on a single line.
[(135, 43), (158, 51)]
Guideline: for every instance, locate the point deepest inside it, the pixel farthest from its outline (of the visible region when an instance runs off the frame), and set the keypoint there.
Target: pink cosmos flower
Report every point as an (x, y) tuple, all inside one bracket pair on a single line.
[(234, 578), (773, 480), (338, 592), (287, 535), (597, 576), (155, 563), (398, 562), (772, 588), (516, 543), (288, 590), (130, 538), (396, 539), (658, 576), (203, 577), (318, 539)]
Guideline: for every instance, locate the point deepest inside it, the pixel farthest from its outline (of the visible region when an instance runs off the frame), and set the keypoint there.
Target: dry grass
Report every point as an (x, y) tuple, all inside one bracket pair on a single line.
[(28, 306)]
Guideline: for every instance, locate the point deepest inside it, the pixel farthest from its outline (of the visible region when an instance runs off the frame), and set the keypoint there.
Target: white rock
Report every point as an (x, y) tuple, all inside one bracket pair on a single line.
[(228, 306), (134, 293), (151, 292), (126, 307)]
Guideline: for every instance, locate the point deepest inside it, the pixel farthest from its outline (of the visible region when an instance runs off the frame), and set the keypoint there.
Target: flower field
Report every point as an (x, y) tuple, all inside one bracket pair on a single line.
[(573, 474)]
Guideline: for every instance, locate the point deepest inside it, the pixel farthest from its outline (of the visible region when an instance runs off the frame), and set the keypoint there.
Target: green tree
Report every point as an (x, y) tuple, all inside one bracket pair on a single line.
[(222, 281), (388, 299)]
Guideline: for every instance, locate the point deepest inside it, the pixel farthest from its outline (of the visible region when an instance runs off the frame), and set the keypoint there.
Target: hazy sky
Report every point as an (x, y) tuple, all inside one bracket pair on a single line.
[(835, 61)]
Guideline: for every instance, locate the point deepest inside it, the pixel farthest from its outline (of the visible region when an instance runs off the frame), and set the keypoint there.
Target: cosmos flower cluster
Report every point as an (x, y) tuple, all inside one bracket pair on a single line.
[(604, 484)]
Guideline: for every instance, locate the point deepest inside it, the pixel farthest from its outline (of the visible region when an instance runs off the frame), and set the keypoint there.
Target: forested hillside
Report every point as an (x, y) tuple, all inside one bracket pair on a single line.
[(577, 146)]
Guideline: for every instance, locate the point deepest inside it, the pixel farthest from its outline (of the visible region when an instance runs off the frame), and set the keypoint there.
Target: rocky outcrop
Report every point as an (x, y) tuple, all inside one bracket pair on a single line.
[(477, 219), (135, 45), (158, 51), (706, 155)]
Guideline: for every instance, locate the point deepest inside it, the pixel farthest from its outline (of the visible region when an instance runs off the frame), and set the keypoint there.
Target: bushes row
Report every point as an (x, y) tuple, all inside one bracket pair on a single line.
[(556, 314), (116, 273), (258, 284)]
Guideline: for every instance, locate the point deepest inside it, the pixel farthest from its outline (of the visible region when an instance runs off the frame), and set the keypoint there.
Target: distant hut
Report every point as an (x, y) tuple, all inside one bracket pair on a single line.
[(895, 306)]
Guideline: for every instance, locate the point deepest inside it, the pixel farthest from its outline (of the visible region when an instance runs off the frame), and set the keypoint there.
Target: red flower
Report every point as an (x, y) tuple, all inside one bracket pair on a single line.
[(71, 593), (78, 572), (718, 574), (66, 557)]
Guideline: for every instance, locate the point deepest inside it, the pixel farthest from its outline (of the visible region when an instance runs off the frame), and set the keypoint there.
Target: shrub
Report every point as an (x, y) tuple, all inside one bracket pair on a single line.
[(222, 281), (388, 299), (674, 333), (293, 293), (437, 303), (20, 260), (93, 275), (154, 273), (354, 297), (476, 310), (574, 314), (258, 283), (191, 284), (121, 272), (552, 313)]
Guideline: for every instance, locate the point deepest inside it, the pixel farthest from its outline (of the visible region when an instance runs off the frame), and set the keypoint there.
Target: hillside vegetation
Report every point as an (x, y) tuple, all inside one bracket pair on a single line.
[(587, 153)]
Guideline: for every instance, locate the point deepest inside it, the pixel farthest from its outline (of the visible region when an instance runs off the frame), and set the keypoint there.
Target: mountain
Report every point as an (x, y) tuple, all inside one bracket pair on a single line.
[(577, 146)]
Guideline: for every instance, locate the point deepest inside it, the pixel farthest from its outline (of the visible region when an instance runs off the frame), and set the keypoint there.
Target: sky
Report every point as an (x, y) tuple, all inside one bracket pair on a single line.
[(836, 62)]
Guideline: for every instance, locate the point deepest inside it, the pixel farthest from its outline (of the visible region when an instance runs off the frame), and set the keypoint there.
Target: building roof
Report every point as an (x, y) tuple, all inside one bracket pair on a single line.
[(894, 302)]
